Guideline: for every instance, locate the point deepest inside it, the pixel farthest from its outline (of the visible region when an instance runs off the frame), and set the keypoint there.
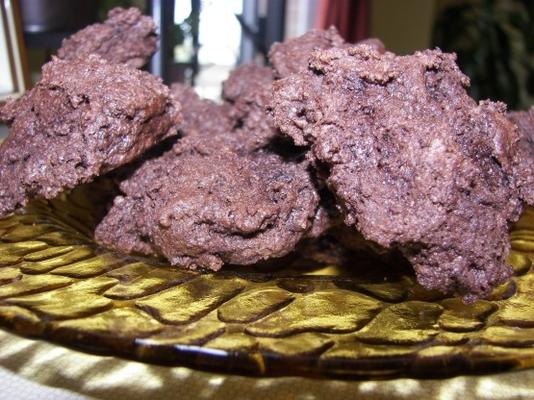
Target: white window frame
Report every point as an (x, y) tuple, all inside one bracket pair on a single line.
[(13, 63)]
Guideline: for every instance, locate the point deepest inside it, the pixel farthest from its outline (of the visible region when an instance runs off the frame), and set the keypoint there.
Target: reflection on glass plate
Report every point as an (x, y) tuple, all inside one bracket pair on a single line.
[(316, 320)]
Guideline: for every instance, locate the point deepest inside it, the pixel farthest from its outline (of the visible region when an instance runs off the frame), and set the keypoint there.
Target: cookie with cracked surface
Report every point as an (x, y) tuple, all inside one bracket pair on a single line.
[(81, 120), (200, 116), (247, 92), (126, 36), (202, 206), (414, 162), (291, 56)]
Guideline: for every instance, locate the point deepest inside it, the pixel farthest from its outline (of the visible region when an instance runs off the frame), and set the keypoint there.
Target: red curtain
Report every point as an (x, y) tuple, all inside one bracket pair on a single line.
[(350, 17)]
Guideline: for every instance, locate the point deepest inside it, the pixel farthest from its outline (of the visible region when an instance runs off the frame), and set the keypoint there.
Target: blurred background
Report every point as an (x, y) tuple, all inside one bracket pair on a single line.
[(202, 40)]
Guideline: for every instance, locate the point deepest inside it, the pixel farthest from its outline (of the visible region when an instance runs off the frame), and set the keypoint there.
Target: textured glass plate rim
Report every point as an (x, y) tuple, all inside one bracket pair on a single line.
[(266, 363)]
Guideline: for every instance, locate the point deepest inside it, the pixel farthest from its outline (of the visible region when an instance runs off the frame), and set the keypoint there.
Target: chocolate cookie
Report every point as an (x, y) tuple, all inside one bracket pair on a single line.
[(525, 154), (82, 119), (247, 92), (414, 162), (292, 56), (200, 116), (126, 37), (202, 206)]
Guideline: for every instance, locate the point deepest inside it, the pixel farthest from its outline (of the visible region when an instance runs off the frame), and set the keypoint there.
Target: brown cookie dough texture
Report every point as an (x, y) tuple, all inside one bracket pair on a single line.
[(126, 37), (247, 92), (241, 122), (218, 124), (200, 116), (525, 154), (414, 162), (375, 43), (82, 119), (201, 207), (525, 122), (292, 56)]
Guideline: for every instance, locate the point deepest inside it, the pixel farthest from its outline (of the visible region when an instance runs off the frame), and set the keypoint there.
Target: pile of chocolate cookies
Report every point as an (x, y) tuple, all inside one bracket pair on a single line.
[(388, 151)]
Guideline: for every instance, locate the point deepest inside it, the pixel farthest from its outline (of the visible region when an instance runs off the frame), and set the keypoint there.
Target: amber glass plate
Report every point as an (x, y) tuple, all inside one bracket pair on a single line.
[(297, 317)]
